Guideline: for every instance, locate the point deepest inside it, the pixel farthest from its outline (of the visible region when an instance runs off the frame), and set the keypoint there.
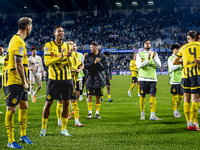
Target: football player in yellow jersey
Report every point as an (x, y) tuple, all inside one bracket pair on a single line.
[(134, 73), (75, 69), (1, 66), (57, 56), (15, 83), (190, 77), (198, 40)]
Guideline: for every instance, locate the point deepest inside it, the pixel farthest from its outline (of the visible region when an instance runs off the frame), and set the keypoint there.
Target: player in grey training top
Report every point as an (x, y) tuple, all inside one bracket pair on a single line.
[(36, 69)]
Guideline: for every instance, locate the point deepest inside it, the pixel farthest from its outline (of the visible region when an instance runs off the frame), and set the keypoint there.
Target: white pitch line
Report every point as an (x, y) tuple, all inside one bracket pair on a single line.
[(28, 99)]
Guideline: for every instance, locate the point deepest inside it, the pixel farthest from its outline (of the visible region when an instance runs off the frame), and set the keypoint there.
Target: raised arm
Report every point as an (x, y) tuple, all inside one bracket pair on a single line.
[(139, 62), (48, 59), (156, 60), (171, 66)]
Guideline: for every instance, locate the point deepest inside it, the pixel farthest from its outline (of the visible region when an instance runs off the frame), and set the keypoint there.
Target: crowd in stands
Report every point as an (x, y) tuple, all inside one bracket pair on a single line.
[(118, 31)]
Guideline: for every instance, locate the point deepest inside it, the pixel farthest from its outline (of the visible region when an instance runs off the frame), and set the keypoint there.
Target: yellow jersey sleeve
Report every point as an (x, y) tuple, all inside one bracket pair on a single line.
[(49, 56), (20, 48)]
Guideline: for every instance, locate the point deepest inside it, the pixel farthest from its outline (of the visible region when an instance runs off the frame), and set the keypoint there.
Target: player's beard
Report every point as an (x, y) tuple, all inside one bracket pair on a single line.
[(28, 33)]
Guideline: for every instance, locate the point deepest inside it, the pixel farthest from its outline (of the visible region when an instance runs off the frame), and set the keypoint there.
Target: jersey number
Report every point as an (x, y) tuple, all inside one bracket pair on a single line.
[(194, 53)]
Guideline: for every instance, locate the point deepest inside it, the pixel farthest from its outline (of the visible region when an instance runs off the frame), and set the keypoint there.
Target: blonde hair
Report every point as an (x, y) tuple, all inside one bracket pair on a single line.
[(23, 22)]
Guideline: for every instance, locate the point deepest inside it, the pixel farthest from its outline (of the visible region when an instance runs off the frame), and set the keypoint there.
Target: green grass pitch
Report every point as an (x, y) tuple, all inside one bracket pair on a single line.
[(119, 128)]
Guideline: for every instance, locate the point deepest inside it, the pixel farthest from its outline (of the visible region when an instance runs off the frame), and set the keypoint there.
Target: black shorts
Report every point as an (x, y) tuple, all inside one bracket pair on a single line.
[(95, 91), (191, 85), (15, 93), (77, 86), (108, 81), (134, 79), (176, 89), (60, 90), (148, 87)]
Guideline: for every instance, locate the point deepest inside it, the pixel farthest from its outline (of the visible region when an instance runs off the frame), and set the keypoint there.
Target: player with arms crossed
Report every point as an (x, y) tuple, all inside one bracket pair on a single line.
[(35, 67), (190, 78), (57, 56), (175, 74), (15, 82)]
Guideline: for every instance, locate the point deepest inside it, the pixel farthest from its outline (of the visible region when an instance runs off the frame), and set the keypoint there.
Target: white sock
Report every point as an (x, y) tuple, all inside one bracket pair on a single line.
[(90, 112), (190, 123), (76, 121), (175, 112), (37, 90), (97, 112), (31, 91), (152, 114), (142, 113)]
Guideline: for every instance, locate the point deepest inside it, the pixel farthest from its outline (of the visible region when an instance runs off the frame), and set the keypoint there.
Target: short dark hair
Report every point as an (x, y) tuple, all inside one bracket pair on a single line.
[(107, 54), (23, 22), (85, 52), (94, 43), (33, 49), (197, 34), (58, 26), (173, 46), (192, 34), (1, 45), (145, 41)]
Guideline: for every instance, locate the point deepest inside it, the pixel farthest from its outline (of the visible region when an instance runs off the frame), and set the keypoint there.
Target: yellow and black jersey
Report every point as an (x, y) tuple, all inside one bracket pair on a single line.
[(133, 68), (17, 47), (59, 68), (189, 52), (75, 63)]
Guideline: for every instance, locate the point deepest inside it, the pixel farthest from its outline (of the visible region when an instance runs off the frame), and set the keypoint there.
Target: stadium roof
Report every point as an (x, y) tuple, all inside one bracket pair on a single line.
[(38, 6)]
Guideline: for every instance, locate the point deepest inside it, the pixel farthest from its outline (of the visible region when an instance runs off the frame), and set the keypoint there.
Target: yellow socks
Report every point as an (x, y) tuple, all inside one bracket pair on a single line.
[(89, 104), (59, 110), (64, 123), (76, 110), (69, 108), (44, 123), (131, 87), (152, 102), (142, 103), (179, 99), (10, 126), (109, 96), (22, 121), (193, 112), (174, 102), (98, 108), (138, 88), (187, 111)]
